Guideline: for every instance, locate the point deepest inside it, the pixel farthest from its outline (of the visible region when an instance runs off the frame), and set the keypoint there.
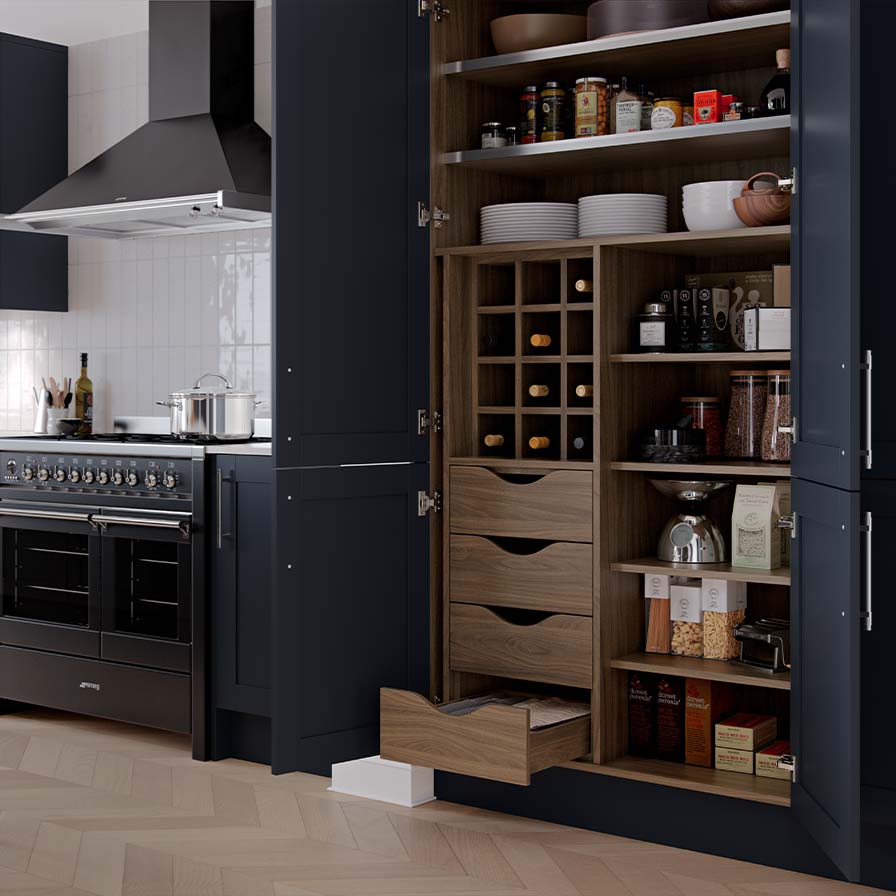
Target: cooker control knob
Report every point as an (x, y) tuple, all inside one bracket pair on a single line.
[(11, 467), (89, 476), (28, 473), (43, 474), (151, 479), (59, 475), (75, 475), (118, 477), (171, 480), (103, 476), (133, 478)]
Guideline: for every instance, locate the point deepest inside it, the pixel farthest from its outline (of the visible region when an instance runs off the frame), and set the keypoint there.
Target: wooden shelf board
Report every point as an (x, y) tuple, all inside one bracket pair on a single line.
[(741, 241), (706, 570), (709, 468), (690, 777), (520, 464), (495, 409), (734, 44), (725, 141), (580, 412), (580, 359), (710, 670), (541, 359), (543, 306), (534, 411), (743, 358), (496, 309), (502, 359)]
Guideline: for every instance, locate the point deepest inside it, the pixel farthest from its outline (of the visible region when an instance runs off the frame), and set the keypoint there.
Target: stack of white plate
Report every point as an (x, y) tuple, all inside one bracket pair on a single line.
[(615, 213), (529, 221)]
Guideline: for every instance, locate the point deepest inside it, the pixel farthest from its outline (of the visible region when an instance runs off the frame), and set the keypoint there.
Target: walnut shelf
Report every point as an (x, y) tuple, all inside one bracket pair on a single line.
[(706, 570), (746, 359), (710, 670), (708, 468)]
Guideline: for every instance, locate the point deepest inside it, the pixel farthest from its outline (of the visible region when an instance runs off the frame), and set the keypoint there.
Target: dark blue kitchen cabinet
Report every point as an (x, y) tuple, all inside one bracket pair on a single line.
[(239, 546), (33, 158)]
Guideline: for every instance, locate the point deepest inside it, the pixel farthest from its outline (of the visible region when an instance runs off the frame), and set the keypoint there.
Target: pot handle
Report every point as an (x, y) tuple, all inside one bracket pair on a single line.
[(769, 175), (170, 404), (227, 384)]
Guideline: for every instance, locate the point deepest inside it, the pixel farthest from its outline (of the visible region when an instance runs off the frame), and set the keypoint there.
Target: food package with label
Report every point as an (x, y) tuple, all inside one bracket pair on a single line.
[(747, 289), (670, 691), (746, 731), (731, 760), (642, 714), (686, 613), (724, 608), (658, 623), (755, 536), (767, 330), (705, 703), (767, 761)]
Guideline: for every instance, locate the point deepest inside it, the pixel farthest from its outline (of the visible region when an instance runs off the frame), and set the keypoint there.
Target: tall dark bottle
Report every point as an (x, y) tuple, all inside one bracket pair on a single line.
[(775, 99)]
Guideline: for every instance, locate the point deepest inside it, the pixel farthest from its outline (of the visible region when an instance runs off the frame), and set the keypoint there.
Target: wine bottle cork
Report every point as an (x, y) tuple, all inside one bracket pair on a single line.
[(537, 391), (539, 443), (540, 340), (494, 441), (584, 391), (584, 286)]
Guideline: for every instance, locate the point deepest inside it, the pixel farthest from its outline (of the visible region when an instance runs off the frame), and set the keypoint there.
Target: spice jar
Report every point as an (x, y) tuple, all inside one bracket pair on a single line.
[(493, 136), (591, 107), (553, 113), (654, 329), (628, 110), (687, 116), (707, 414), (512, 135), (746, 415), (775, 446), (668, 112), (529, 102)]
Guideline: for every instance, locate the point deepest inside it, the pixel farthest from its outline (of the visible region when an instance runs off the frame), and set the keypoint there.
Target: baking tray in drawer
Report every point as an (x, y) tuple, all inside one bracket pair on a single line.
[(554, 577), (493, 742), (555, 506), (555, 649)]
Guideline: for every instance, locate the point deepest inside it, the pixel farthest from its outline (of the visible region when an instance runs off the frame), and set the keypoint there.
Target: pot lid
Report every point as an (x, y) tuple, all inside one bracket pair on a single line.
[(198, 390)]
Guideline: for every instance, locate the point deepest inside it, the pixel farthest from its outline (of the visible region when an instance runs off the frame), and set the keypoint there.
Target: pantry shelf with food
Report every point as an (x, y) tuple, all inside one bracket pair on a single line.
[(702, 358), (650, 565), (709, 670), (715, 467)]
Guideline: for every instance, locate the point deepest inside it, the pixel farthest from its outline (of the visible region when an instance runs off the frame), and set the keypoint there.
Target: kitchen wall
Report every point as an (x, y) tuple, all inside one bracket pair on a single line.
[(153, 314)]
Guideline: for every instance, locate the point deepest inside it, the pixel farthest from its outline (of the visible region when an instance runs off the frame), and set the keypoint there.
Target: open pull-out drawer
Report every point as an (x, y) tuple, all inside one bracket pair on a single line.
[(493, 742), (518, 644)]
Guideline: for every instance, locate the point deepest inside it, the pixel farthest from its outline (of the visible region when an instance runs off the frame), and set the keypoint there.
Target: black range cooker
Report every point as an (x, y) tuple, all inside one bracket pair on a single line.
[(102, 598)]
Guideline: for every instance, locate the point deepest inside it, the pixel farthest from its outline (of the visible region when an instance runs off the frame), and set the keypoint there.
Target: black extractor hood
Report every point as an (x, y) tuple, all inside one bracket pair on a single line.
[(201, 163)]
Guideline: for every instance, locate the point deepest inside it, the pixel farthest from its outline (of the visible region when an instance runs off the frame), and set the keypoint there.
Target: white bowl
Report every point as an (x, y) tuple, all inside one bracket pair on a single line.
[(730, 188), (711, 216)]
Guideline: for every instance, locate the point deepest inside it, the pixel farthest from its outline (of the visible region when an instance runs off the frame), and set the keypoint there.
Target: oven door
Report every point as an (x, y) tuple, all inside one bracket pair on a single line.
[(51, 571), (147, 588)]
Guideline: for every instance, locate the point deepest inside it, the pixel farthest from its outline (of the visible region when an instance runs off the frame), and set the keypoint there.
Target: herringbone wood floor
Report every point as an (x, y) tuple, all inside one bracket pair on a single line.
[(91, 807)]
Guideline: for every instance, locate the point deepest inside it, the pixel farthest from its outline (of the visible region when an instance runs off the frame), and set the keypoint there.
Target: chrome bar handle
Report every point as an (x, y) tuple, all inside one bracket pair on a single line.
[(58, 515), (867, 368), (220, 509), (103, 521), (869, 552)]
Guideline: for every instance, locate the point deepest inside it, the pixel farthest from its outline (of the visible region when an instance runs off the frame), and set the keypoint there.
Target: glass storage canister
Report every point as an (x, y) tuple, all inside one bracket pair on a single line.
[(746, 414), (654, 329), (592, 112), (553, 113), (707, 414), (668, 112), (493, 135), (778, 412)]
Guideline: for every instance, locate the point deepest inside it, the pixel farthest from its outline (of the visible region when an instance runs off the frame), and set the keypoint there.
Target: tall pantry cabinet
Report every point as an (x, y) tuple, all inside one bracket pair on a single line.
[(410, 557)]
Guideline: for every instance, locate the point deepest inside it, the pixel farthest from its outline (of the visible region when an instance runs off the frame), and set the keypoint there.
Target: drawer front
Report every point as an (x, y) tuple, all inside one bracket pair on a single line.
[(493, 742), (556, 650), (555, 579), (554, 507)]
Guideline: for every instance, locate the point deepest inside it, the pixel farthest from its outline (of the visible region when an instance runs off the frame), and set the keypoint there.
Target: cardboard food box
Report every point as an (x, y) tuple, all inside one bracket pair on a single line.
[(670, 696), (781, 274), (767, 761), (705, 703), (707, 106), (642, 714), (746, 731), (767, 330), (731, 760), (755, 536), (746, 289), (785, 506)]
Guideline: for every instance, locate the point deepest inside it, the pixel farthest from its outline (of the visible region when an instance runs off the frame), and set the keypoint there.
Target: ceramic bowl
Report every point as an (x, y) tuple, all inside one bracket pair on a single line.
[(531, 31), (732, 9), (607, 17), (709, 205)]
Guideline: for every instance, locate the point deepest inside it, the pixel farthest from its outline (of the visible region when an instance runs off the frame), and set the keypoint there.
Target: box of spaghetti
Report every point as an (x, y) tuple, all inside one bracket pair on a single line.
[(767, 760)]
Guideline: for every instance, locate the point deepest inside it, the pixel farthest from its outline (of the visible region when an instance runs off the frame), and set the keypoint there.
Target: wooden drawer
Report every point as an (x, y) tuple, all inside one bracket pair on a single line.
[(554, 507), (556, 649), (555, 579), (493, 742)]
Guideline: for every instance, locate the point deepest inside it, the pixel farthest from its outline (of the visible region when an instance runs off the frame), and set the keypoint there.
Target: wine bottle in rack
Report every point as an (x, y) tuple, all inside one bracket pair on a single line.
[(495, 440), (585, 286), (540, 340), (579, 443), (539, 443), (584, 391), (538, 391)]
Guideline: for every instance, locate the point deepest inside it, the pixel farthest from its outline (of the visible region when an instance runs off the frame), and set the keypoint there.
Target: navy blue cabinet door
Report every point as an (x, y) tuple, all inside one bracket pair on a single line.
[(826, 242), (351, 266), (825, 704), (352, 571)]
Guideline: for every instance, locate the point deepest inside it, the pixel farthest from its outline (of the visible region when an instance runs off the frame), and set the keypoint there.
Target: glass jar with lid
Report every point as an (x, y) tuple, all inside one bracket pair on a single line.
[(778, 412), (706, 411), (746, 415), (591, 109), (493, 135)]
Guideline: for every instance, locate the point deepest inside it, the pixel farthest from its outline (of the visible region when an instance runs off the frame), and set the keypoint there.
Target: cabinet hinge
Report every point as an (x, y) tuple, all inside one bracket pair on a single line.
[(787, 763), (428, 423), (433, 8), (789, 521), (428, 504), (437, 217), (788, 184)]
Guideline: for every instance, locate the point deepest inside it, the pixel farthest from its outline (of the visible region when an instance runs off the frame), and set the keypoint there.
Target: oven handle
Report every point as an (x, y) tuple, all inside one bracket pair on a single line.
[(105, 520), (60, 515)]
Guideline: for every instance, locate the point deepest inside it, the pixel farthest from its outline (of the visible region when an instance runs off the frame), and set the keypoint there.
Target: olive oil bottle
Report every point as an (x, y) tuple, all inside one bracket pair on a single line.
[(84, 399)]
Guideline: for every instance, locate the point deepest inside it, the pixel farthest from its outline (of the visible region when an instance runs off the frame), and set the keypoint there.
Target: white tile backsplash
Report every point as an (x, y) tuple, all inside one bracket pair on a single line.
[(152, 314)]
